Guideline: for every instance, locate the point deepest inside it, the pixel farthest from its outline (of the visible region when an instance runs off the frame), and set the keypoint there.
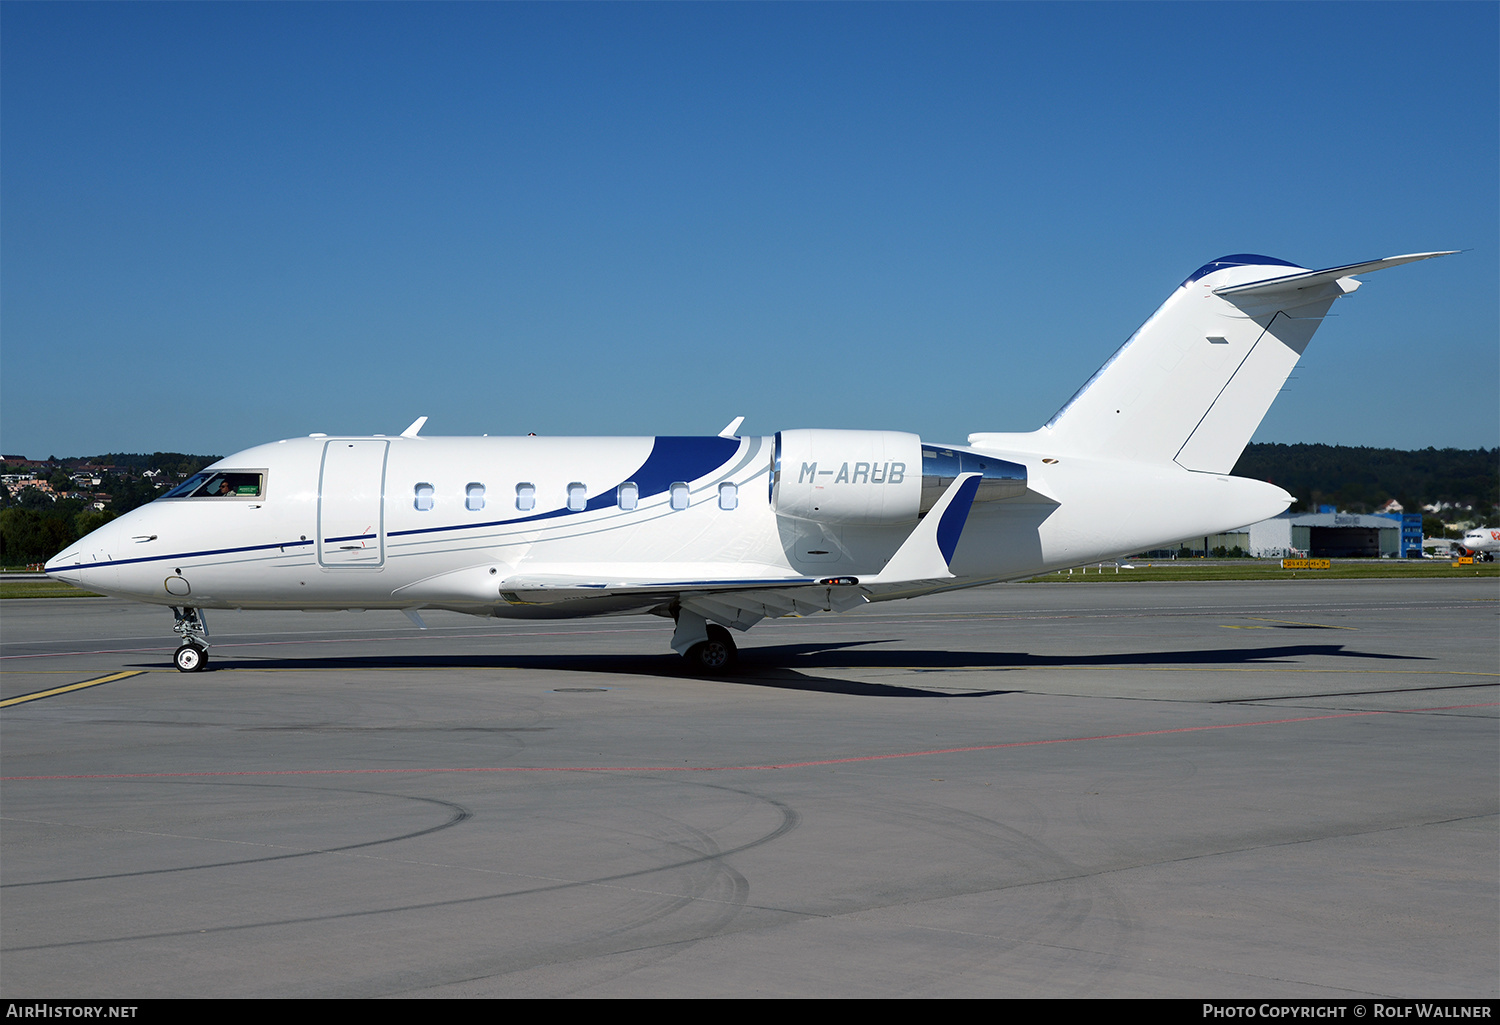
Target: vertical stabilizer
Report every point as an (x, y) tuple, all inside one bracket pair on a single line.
[(1193, 383)]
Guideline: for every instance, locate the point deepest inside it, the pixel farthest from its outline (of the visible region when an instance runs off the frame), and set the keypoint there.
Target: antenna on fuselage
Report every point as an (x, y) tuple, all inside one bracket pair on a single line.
[(733, 425), (416, 425)]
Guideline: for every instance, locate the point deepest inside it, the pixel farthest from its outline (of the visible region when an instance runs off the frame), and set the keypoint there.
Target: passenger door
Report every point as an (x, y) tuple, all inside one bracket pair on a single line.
[(351, 505)]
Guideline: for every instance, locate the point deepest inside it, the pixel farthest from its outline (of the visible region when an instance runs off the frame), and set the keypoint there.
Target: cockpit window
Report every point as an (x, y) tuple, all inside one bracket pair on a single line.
[(220, 484)]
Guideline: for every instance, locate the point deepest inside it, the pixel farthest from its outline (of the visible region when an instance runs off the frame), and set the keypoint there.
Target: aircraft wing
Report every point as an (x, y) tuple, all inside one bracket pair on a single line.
[(923, 559)]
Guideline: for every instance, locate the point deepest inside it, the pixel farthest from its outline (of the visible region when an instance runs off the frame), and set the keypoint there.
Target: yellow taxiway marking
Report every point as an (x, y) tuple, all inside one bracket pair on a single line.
[(35, 695)]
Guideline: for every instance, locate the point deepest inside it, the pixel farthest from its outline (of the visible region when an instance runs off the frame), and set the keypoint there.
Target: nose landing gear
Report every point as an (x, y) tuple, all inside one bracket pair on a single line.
[(192, 627)]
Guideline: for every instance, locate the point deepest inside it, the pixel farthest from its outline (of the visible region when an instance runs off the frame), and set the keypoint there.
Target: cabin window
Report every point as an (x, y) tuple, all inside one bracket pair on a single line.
[(474, 497), (525, 497), (424, 500), (630, 495), (679, 496), (576, 493), (729, 496)]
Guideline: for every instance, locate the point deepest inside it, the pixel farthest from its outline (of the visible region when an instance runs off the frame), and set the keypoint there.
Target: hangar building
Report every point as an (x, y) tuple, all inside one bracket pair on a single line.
[(1326, 535)]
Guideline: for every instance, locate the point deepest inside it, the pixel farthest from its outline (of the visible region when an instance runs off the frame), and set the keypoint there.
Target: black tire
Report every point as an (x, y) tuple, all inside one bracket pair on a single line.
[(715, 656), (190, 658)]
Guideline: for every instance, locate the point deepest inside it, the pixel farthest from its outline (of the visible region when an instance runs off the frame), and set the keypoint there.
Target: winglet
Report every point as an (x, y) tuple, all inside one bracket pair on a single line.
[(416, 425), (733, 425), (928, 551)]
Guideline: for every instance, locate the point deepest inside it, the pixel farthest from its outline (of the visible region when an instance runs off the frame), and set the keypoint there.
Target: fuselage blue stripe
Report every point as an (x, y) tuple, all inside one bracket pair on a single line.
[(671, 459), (486, 523), (179, 555)]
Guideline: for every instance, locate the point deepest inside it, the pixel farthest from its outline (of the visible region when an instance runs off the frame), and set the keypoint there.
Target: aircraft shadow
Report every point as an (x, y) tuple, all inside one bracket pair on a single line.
[(798, 666)]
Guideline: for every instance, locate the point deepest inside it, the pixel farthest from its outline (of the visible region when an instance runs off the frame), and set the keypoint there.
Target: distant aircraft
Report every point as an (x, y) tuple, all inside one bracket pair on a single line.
[(720, 532), (1482, 543)]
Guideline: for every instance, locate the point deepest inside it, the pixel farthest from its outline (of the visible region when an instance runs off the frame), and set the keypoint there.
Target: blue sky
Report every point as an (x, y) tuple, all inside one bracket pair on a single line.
[(222, 224)]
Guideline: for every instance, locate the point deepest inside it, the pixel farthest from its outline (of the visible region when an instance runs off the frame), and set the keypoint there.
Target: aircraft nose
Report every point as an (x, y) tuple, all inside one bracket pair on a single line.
[(68, 564), (83, 562)]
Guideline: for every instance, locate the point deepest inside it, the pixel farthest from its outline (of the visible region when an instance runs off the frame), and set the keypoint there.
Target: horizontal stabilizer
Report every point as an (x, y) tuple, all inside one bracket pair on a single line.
[(1310, 278)]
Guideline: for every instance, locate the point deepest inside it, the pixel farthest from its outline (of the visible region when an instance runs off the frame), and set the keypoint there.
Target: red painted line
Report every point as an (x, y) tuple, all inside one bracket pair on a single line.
[(747, 768)]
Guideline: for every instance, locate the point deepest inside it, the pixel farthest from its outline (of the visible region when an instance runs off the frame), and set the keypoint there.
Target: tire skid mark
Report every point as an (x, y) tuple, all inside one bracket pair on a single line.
[(459, 814), (1071, 894), (788, 821), (653, 949)]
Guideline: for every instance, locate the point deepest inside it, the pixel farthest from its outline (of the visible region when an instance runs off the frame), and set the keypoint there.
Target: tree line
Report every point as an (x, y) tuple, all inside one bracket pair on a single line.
[(1359, 479), (35, 525)]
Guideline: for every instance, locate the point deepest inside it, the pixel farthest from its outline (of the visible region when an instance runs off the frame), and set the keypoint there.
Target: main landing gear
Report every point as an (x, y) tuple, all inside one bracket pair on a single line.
[(706, 646), (192, 627), (715, 655)]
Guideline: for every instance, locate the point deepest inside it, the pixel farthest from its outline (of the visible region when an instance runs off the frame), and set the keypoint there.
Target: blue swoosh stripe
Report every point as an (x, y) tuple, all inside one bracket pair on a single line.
[(179, 555), (672, 459), (951, 526), (1237, 260)]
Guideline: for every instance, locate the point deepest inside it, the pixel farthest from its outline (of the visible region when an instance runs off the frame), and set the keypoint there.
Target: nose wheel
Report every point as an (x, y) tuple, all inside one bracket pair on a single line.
[(190, 658), (192, 627)]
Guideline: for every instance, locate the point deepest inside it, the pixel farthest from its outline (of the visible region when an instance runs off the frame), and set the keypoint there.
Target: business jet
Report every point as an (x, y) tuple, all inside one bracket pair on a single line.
[(1482, 543), (720, 532)]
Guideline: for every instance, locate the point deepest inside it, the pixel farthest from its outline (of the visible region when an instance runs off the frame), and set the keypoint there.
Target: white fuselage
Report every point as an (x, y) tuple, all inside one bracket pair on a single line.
[(1483, 539), (413, 522)]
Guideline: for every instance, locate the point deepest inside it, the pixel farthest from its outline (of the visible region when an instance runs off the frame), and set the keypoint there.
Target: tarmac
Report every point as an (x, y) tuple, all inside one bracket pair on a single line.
[(1225, 790)]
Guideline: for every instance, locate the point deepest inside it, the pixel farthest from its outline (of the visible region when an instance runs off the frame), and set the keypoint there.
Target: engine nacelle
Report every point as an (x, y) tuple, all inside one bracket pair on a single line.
[(854, 477)]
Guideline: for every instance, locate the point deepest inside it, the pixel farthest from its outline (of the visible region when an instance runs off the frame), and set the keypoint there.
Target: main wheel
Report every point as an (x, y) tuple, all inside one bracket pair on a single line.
[(715, 655), (190, 658)]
